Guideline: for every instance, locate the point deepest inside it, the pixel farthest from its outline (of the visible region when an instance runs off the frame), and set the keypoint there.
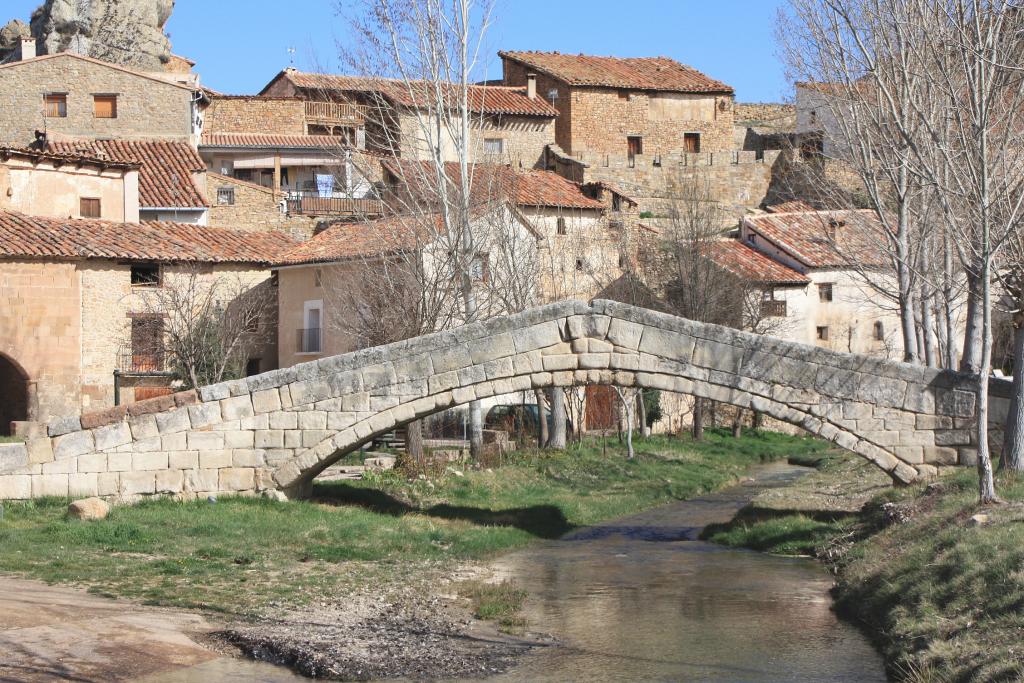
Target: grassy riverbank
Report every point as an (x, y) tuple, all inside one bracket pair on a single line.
[(241, 555), (942, 594)]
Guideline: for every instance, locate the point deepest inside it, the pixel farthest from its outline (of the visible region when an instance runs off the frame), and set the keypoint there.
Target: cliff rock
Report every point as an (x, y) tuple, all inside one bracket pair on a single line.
[(126, 32)]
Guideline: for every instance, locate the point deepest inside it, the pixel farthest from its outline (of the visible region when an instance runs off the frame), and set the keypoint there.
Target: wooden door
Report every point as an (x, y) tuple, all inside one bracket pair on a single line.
[(602, 409)]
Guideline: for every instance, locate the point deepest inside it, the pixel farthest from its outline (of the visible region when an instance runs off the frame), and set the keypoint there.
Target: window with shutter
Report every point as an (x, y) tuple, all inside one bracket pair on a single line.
[(55, 105), (89, 207), (104, 106)]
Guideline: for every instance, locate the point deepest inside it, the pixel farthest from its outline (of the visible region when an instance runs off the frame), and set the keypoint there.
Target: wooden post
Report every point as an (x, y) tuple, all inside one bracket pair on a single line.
[(277, 172)]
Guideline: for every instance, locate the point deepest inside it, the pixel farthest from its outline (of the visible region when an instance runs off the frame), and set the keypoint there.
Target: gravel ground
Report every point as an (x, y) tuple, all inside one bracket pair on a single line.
[(367, 638)]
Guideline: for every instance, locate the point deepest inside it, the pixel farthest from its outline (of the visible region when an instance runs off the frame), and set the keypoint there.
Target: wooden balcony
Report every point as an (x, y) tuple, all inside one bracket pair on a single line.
[(336, 113), (773, 309), (314, 205)]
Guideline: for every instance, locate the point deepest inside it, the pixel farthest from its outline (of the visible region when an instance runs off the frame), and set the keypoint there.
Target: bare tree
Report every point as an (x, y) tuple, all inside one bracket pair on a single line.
[(430, 50), (206, 325)]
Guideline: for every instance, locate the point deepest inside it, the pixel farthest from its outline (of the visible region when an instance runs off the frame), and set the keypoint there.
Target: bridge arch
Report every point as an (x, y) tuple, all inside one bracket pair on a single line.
[(278, 430)]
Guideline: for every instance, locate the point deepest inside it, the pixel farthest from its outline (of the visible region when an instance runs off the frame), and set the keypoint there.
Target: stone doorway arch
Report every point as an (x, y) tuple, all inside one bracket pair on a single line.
[(14, 402)]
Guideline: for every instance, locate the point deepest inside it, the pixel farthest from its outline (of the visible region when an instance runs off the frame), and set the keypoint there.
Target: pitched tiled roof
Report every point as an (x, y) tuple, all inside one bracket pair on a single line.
[(59, 159), (165, 179), (270, 140), (789, 207), (495, 181), (100, 62), (486, 99), (640, 73), (35, 237), (752, 265), (821, 239), (344, 241)]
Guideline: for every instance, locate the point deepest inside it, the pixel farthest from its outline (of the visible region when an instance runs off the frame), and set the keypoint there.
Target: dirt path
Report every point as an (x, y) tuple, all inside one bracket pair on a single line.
[(57, 633)]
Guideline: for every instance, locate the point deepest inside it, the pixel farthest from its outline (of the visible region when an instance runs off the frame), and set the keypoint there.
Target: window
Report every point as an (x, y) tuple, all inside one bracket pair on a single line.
[(147, 339), (814, 116), (634, 145), (252, 367), (226, 196), (579, 264), (879, 331), (691, 143), (309, 335), (561, 225), (55, 105), (822, 332), (89, 207), (616, 202), (318, 277), (104, 106), (145, 275), (494, 146), (825, 292), (480, 268)]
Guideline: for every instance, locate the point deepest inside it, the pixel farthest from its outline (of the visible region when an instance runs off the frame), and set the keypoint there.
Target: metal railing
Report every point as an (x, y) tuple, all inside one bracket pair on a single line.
[(773, 309), (308, 340), (336, 111), (312, 204), (133, 360)]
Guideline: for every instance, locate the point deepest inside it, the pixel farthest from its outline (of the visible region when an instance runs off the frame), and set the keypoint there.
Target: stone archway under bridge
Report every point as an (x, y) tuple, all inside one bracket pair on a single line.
[(279, 430)]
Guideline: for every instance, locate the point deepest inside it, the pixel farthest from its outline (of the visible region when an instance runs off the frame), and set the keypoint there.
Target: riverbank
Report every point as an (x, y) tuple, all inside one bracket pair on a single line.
[(939, 589), (371, 578)]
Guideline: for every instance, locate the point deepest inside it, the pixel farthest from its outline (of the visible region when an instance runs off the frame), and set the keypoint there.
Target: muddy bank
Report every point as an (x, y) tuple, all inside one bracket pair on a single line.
[(366, 638)]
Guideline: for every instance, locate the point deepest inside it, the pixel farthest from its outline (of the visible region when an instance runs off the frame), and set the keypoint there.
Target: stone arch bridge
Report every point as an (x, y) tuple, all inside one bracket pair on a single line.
[(278, 430)]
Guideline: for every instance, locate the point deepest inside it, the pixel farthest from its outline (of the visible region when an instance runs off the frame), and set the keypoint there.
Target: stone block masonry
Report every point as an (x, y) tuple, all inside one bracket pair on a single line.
[(279, 430)]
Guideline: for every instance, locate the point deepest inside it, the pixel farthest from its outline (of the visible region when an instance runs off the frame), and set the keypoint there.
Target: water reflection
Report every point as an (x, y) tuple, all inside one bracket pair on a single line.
[(641, 599)]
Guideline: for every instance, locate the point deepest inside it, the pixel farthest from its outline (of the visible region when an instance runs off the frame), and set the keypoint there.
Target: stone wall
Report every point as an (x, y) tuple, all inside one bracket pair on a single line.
[(255, 209), (40, 327), (245, 114), (739, 181), (279, 430), (523, 139), (767, 114), (147, 108)]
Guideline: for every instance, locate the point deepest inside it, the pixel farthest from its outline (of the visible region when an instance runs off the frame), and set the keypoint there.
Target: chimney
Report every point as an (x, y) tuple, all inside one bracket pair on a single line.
[(28, 48), (531, 86)]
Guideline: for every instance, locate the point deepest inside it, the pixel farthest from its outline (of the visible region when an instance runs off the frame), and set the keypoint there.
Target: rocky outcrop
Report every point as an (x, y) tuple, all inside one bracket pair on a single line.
[(11, 33), (126, 32)]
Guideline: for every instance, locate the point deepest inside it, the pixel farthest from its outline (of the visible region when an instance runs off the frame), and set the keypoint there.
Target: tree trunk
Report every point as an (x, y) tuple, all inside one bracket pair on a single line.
[(931, 342), (758, 420), (697, 429), (971, 361), (986, 484), (1013, 437), (737, 424), (542, 428), (557, 439), (642, 412), (948, 316), (414, 444), (476, 430)]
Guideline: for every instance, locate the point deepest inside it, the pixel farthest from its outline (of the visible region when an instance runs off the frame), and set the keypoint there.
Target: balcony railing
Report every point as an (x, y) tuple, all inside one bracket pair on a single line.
[(336, 112), (308, 340), (314, 205), (131, 360), (773, 309)]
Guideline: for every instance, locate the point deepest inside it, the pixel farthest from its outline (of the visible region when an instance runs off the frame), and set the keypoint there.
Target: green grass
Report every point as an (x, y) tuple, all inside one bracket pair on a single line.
[(11, 439), (498, 602), (240, 555), (944, 600)]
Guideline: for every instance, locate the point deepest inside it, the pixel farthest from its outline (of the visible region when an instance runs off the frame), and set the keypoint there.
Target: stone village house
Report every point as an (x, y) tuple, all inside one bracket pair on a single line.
[(68, 186), (510, 124), (71, 311)]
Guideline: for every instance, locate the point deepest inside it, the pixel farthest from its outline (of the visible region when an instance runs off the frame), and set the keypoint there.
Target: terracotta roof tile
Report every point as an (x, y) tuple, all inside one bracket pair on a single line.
[(789, 207), (36, 237), (270, 140), (78, 159), (824, 239), (486, 99), (529, 188), (752, 265), (344, 241), (640, 73), (166, 176)]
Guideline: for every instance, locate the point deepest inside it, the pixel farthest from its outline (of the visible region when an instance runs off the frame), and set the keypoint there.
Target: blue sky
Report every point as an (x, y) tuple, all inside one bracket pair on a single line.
[(239, 45)]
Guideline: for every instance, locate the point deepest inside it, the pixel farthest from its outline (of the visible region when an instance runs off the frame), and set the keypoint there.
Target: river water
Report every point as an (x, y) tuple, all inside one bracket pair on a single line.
[(641, 599)]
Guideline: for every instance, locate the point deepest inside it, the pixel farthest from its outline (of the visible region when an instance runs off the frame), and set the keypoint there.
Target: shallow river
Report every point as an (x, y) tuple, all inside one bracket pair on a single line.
[(641, 599)]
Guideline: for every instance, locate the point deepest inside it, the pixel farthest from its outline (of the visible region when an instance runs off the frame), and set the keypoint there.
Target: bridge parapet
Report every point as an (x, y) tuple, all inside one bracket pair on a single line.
[(278, 430)]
